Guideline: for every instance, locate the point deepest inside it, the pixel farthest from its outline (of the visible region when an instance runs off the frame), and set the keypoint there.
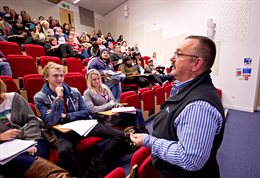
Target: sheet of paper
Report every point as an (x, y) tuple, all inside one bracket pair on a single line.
[(130, 110), (81, 126), (11, 149)]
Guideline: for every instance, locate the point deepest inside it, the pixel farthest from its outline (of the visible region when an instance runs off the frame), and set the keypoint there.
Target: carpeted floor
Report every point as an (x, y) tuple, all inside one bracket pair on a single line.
[(239, 154)]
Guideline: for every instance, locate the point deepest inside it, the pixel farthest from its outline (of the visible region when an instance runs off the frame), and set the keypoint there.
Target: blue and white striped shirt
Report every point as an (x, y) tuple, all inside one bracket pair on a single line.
[(196, 126)]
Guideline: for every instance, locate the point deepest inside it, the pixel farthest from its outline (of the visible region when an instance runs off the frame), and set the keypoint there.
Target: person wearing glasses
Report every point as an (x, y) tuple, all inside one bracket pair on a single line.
[(188, 131)]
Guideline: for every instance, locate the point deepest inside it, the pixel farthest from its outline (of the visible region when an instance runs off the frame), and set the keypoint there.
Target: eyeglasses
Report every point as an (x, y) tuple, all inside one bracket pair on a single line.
[(178, 54)]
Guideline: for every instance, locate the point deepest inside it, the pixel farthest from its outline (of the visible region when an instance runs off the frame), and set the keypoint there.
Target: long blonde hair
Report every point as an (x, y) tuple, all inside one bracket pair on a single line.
[(89, 75), (2, 90)]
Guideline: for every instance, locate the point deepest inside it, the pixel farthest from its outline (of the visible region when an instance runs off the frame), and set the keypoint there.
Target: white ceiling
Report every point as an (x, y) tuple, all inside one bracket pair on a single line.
[(102, 7)]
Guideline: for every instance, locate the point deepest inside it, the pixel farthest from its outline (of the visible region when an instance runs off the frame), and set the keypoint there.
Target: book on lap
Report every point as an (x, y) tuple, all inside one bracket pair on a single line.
[(13, 148), (82, 127)]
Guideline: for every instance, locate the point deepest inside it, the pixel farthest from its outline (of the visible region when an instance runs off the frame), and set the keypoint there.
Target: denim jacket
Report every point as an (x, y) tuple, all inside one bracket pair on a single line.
[(52, 108)]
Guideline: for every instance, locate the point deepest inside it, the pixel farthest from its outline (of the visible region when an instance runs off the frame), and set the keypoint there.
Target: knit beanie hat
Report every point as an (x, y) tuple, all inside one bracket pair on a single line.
[(102, 50)]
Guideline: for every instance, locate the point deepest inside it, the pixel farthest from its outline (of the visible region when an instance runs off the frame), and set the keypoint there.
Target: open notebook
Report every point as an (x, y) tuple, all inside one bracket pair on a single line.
[(82, 127), (11, 149)]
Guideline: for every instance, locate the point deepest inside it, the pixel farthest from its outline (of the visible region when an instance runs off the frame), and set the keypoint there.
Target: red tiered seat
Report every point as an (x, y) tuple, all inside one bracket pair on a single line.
[(76, 80), (147, 101), (9, 48), (34, 50), (159, 97), (45, 59), (74, 64), (141, 164), (131, 98), (32, 84), (119, 172), (21, 65), (10, 84)]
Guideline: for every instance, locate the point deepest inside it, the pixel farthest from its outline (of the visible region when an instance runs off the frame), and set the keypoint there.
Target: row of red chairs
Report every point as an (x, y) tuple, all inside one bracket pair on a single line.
[(147, 99), (30, 49)]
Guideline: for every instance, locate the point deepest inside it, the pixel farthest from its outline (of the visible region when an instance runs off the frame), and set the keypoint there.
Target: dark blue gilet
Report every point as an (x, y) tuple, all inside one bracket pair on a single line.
[(200, 88)]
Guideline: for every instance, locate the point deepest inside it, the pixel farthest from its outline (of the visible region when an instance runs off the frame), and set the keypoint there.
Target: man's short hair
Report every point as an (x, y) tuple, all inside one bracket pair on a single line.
[(206, 49), (51, 65)]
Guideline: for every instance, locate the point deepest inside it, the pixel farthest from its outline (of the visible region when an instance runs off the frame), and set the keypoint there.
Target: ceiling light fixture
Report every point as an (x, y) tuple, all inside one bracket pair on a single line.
[(76, 1)]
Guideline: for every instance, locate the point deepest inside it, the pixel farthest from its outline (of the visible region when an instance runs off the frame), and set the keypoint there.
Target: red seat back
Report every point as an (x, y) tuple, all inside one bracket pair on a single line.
[(125, 94), (10, 84), (167, 70), (76, 80), (133, 100), (84, 144), (86, 61), (32, 84), (88, 142), (119, 172), (34, 50), (140, 155), (45, 59), (160, 95), (22, 65), (148, 100), (9, 48), (141, 90), (145, 59), (74, 64), (33, 107), (147, 170), (219, 92), (168, 89)]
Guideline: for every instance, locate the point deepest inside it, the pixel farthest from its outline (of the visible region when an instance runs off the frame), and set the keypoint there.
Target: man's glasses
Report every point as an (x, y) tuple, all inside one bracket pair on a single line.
[(178, 54)]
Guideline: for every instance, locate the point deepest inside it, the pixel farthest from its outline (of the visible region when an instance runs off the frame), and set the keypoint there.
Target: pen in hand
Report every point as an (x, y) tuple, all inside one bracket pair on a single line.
[(23, 126)]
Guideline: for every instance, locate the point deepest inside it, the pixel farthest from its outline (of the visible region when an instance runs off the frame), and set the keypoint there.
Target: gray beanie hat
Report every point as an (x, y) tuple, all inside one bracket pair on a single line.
[(102, 50)]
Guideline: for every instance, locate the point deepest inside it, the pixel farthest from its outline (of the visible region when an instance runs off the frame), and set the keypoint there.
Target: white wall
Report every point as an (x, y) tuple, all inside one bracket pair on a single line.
[(159, 25), (170, 20)]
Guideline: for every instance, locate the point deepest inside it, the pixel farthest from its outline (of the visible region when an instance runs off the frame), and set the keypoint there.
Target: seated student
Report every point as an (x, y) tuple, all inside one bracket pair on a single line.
[(116, 57), (5, 68), (149, 68), (158, 67), (103, 65), (59, 103), (15, 113), (98, 97), (132, 74), (84, 40), (151, 77), (82, 52), (94, 50), (60, 50)]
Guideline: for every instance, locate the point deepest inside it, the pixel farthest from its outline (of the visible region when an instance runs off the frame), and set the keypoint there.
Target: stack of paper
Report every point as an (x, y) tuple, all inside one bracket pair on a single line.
[(130, 110), (82, 127), (11, 149)]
